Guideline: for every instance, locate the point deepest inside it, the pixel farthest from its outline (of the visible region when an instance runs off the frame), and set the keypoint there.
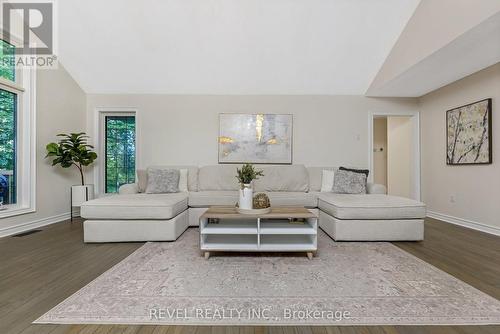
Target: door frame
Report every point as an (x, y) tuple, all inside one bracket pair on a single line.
[(416, 170)]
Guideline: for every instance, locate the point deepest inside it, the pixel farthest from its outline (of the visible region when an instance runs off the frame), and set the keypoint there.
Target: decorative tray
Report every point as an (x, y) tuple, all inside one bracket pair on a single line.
[(253, 211)]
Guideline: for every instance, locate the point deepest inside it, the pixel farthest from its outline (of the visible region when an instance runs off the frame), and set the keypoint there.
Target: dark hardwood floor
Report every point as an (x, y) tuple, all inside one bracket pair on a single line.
[(40, 270)]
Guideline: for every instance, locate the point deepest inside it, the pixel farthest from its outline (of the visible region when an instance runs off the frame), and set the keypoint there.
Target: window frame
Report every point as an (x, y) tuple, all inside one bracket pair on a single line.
[(25, 89), (106, 139), (100, 143)]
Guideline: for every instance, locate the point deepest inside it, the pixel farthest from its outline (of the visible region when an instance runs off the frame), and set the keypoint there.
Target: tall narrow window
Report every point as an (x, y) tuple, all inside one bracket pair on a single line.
[(17, 133), (119, 152), (8, 127)]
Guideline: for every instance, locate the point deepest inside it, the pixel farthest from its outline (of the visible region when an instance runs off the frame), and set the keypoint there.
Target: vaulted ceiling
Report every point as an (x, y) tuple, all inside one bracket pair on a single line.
[(228, 46)]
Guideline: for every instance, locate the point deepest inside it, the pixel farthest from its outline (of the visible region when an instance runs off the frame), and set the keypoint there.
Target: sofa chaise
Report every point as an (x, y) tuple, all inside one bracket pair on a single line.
[(133, 215)]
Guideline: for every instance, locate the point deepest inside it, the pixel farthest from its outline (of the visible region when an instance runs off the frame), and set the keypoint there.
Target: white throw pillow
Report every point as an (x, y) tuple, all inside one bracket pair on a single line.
[(183, 180), (327, 180)]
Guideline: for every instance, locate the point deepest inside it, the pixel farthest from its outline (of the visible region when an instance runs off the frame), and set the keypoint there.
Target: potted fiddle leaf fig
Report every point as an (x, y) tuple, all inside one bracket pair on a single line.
[(73, 150), (245, 176)]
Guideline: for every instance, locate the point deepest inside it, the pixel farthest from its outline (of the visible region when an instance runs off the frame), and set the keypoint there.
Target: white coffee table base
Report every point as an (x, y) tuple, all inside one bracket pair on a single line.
[(263, 233)]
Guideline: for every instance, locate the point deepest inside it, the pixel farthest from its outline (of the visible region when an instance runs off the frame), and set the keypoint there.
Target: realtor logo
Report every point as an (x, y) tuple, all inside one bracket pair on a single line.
[(29, 28)]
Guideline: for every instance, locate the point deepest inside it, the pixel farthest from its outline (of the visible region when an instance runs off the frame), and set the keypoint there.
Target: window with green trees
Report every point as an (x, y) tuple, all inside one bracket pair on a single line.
[(120, 152), (8, 125), (7, 53)]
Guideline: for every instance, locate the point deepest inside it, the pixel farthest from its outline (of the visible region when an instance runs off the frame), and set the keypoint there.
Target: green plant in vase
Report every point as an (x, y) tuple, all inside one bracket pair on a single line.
[(73, 150), (245, 176)]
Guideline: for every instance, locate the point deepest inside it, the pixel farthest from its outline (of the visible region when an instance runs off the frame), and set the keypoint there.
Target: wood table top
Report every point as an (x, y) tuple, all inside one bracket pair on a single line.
[(276, 212)]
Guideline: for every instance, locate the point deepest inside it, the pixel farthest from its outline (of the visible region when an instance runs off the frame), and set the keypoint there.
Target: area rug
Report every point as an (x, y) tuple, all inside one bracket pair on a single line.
[(348, 283)]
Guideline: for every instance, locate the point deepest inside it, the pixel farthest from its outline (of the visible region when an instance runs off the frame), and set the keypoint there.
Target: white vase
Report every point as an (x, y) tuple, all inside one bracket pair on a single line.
[(246, 197), (81, 194)]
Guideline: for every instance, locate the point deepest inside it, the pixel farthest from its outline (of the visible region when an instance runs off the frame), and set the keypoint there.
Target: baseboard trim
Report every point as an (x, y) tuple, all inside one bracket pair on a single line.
[(23, 227), (464, 223)]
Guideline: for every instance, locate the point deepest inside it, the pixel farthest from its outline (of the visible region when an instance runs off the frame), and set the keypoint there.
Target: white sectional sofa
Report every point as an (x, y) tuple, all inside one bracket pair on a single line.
[(135, 216)]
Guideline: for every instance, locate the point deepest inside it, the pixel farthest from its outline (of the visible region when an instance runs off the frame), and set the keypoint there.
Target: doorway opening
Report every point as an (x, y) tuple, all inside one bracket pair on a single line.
[(395, 153)]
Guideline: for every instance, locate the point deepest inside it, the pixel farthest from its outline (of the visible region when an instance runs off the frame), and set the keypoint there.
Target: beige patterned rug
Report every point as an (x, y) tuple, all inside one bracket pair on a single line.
[(348, 283)]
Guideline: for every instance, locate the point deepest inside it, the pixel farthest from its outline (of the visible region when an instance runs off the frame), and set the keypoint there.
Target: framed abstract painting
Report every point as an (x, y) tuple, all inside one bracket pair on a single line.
[(255, 138), (469, 134)]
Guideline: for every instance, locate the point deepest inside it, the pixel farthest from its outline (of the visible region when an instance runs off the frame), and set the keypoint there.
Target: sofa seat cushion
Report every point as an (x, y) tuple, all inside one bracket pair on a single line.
[(136, 206), (203, 199), (288, 198), (376, 206)]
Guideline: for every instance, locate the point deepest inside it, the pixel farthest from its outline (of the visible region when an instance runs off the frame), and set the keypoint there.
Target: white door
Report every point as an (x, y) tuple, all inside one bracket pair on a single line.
[(400, 156)]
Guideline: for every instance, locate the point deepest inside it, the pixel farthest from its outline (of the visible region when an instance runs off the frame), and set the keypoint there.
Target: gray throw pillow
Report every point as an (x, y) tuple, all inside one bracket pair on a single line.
[(346, 182), (161, 181)]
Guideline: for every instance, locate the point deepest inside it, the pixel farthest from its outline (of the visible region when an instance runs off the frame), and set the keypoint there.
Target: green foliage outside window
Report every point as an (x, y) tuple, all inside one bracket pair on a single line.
[(8, 146), (120, 151), (8, 126), (7, 129), (7, 53)]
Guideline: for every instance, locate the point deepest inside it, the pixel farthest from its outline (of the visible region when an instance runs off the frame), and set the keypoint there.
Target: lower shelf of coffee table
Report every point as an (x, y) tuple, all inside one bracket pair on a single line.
[(234, 242), (258, 242), (287, 242)]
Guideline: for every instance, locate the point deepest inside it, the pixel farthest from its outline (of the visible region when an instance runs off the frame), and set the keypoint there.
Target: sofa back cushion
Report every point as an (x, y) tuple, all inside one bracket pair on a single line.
[(282, 178), (142, 177), (218, 177), (315, 176)]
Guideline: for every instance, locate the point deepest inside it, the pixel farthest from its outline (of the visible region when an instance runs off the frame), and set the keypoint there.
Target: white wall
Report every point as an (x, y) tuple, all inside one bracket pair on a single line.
[(61, 106), (380, 155), (176, 129), (463, 194), (399, 156), (427, 32)]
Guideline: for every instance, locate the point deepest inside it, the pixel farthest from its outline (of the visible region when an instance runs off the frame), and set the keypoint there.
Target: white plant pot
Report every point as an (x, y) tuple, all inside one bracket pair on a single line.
[(246, 197), (81, 194)]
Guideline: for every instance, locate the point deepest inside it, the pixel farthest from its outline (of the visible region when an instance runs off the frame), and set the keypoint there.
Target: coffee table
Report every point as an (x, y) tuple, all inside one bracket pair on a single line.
[(284, 229)]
